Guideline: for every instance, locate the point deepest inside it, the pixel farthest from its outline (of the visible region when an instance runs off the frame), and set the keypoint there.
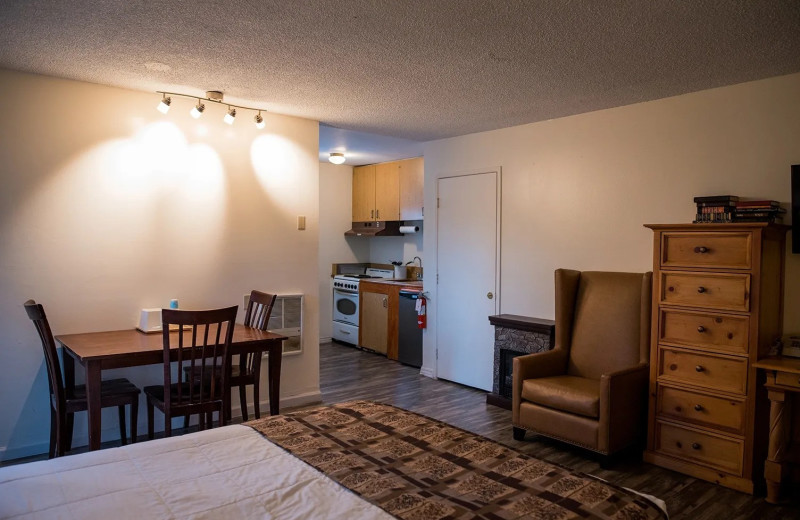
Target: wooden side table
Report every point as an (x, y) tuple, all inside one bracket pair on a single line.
[(783, 381)]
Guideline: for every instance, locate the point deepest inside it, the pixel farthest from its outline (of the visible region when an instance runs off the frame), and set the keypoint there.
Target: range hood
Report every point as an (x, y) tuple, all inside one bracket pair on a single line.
[(374, 229)]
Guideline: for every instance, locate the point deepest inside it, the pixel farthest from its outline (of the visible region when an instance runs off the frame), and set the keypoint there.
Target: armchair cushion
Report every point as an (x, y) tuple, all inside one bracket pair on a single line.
[(571, 394)]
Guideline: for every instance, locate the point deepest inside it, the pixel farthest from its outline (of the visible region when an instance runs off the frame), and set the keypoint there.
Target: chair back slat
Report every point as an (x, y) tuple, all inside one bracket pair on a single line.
[(205, 345), (54, 378), (259, 310)]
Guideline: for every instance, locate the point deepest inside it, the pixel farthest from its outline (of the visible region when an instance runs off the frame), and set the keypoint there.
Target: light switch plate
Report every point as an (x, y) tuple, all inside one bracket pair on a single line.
[(301, 222)]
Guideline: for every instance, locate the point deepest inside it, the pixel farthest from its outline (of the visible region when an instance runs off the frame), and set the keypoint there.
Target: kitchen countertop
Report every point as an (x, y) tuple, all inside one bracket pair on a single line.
[(416, 284)]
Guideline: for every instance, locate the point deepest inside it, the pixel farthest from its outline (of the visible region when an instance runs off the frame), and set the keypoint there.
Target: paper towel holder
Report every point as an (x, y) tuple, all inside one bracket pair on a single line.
[(407, 230)]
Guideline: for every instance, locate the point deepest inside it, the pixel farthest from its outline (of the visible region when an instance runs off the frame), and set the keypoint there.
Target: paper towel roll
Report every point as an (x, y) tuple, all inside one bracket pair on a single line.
[(409, 229)]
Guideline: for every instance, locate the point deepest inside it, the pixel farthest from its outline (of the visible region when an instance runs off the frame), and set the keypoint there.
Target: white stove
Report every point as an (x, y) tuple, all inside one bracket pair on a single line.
[(345, 303)]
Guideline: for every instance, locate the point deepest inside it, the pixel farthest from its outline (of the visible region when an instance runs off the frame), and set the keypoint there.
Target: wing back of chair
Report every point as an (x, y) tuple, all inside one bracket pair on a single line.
[(610, 321)]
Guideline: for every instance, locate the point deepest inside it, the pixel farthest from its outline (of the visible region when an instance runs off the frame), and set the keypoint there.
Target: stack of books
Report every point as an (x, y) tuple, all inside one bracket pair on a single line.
[(717, 208), (758, 211)]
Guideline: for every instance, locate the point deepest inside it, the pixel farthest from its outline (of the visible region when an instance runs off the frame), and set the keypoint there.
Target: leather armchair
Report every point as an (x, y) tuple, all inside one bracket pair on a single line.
[(591, 388)]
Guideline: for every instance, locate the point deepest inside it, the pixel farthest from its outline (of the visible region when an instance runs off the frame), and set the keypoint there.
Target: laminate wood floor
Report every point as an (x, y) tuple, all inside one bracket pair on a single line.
[(347, 373)]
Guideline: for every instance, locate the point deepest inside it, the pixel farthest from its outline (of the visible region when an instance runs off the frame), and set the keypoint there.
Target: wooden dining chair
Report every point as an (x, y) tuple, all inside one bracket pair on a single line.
[(65, 402), (248, 370), (201, 343)]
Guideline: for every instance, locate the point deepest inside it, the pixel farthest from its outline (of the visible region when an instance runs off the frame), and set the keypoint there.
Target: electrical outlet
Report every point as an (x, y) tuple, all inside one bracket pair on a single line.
[(301, 222)]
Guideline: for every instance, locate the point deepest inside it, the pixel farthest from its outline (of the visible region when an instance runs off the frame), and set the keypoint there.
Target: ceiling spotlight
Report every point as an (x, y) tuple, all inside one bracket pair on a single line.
[(163, 107), (336, 157), (197, 111), (259, 121), (230, 117)]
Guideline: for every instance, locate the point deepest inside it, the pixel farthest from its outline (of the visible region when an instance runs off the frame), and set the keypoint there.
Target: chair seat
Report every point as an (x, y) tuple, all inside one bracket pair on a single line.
[(112, 393), (156, 392), (572, 394)]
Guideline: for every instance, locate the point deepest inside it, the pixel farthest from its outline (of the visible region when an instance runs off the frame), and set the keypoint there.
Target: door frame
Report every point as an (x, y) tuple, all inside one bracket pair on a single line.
[(498, 170)]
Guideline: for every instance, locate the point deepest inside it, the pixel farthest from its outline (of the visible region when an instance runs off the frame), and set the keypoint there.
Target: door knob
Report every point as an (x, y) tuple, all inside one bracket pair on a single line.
[(489, 295)]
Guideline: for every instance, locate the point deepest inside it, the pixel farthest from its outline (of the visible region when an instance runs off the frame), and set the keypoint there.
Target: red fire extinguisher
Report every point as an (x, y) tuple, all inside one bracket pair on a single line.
[(422, 319)]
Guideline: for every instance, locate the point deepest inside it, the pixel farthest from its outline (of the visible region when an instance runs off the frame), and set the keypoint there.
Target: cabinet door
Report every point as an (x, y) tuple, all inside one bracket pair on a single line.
[(411, 188), (387, 188), (374, 321), (364, 193)]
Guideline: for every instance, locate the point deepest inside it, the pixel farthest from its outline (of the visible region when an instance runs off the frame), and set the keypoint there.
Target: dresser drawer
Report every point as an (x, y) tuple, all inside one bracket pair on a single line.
[(724, 333), (701, 409), (717, 452), (720, 250), (706, 370), (787, 379), (706, 290)]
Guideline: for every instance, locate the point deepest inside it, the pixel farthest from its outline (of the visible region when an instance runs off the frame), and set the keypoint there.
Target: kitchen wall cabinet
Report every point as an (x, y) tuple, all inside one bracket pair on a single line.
[(364, 193), (374, 321), (389, 191), (412, 178)]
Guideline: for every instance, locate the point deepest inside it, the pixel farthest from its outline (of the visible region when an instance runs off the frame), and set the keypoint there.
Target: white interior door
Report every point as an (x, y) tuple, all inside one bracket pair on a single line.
[(467, 245)]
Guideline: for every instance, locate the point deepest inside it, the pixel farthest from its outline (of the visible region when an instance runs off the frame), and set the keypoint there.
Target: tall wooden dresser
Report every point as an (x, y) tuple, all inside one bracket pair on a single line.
[(717, 308)]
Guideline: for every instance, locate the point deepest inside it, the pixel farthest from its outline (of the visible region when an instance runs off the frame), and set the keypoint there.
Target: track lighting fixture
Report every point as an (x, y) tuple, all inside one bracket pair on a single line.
[(230, 117), (336, 157), (213, 96), (163, 107), (197, 111)]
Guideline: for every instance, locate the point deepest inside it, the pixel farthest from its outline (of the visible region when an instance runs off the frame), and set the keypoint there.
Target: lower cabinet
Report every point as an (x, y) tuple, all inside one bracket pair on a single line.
[(374, 321)]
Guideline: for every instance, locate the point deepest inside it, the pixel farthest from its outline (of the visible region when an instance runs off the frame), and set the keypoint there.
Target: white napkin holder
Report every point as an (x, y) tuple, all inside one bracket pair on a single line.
[(150, 320)]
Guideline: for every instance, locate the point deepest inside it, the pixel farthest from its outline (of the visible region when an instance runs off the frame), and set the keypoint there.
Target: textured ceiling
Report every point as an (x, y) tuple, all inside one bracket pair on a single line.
[(418, 70)]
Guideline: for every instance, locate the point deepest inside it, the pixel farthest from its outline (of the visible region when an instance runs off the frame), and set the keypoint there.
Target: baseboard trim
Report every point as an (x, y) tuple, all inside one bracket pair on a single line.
[(325, 340), (427, 372)]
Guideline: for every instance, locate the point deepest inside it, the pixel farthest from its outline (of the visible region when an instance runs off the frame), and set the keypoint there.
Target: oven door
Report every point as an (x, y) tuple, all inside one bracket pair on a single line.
[(345, 307)]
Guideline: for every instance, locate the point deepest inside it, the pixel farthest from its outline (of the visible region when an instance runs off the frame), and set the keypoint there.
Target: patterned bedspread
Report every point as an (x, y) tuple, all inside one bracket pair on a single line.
[(415, 467)]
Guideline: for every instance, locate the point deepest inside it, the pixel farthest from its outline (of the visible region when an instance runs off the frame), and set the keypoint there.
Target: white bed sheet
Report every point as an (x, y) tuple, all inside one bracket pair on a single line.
[(230, 472)]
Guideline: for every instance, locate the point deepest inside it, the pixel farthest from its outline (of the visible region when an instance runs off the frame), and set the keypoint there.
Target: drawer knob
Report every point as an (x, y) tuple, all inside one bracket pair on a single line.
[(701, 249), (696, 446), (699, 368), (698, 407), (701, 289), (673, 366), (671, 289), (730, 335), (701, 329), (679, 444)]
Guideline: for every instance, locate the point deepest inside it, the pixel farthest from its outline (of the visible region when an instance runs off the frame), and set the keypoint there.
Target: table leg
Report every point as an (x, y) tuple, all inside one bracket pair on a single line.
[(274, 375), (775, 467), (93, 402)]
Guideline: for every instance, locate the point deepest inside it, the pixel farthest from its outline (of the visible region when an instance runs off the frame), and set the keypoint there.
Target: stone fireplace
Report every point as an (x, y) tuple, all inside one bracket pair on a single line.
[(515, 336)]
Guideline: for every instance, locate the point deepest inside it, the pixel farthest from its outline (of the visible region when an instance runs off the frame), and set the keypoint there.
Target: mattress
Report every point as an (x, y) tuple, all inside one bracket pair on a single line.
[(356, 460), (229, 472)]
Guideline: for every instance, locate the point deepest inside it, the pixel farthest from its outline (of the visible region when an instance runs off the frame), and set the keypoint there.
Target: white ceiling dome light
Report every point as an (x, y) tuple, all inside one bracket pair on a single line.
[(336, 157)]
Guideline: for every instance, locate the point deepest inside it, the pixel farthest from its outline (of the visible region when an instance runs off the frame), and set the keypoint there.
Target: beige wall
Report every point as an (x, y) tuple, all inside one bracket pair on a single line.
[(335, 217), (576, 190), (108, 206)]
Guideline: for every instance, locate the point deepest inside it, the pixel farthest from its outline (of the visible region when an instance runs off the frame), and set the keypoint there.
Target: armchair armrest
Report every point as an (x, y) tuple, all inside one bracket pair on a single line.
[(623, 406), (530, 366)]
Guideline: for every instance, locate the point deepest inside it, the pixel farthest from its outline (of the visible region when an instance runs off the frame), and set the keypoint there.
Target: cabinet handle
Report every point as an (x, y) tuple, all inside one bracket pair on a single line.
[(701, 329), (384, 303), (701, 289), (699, 368), (696, 446), (701, 249), (698, 408), (372, 213), (377, 213)]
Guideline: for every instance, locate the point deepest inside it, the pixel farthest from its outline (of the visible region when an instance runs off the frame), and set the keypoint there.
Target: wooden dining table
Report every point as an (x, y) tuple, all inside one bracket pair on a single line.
[(98, 351)]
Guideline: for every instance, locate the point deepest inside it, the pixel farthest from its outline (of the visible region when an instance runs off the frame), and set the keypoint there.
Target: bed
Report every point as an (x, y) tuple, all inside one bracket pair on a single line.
[(355, 460)]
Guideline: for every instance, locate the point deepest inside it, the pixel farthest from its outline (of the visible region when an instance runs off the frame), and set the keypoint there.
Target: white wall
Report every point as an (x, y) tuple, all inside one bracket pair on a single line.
[(577, 190), (335, 217), (108, 206), (385, 250)]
